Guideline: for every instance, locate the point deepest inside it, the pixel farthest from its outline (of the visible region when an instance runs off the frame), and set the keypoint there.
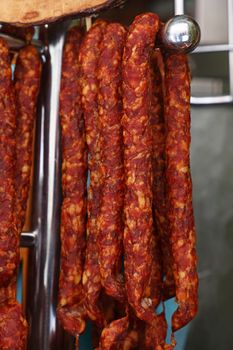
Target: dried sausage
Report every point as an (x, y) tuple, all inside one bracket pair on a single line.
[(179, 187), (9, 240), (88, 56), (159, 182), (113, 336), (126, 333), (110, 222), (10, 310), (71, 311), (135, 335), (138, 164), (13, 327), (155, 335), (27, 85)]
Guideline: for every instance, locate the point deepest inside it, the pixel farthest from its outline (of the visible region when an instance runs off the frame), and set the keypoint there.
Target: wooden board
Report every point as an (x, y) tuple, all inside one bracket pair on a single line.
[(25, 12)]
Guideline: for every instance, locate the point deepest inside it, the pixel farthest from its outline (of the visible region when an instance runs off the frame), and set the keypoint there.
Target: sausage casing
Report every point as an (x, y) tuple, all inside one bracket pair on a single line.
[(159, 176), (110, 222), (9, 242), (88, 56), (71, 311), (13, 327), (179, 187), (27, 84), (138, 232)]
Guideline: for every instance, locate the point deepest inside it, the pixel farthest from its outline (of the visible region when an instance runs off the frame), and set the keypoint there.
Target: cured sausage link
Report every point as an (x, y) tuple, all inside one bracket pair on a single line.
[(137, 156), (179, 187), (138, 233), (89, 53), (159, 179), (74, 177), (113, 336), (110, 223), (9, 242), (13, 327), (153, 338), (27, 85)]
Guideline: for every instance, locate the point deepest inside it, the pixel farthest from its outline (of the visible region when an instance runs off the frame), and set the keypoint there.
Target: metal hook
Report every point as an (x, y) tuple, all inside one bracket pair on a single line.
[(181, 33)]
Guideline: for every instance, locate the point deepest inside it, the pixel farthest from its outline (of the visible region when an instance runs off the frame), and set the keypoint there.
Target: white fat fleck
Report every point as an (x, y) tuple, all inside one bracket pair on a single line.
[(146, 303)]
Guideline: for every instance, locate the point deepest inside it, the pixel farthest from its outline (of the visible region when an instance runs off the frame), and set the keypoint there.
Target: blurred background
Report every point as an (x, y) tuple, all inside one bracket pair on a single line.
[(212, 168)]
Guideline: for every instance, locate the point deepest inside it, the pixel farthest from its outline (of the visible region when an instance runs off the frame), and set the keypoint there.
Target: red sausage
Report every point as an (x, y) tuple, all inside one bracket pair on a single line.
[(71, 311), (159, 177), (110, 222), (113, 336), (179, 188), (27, 84), (88, 56), (138, 233), (13, 327)]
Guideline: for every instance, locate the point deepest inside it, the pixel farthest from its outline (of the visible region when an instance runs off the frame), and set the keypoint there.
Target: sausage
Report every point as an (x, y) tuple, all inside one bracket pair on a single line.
[(88, 56), (131, 340), (159, 182), (24, 33), (70, 310), (27, 84), (113, 336), (109, 315), (10, 310), (179, 188), (155, 335), (135, 335), (27, 79), (155, 340), (13, 327), (138, 232), (9, 240), (110, 221), (111, 312), (126, 333), (9, 292)]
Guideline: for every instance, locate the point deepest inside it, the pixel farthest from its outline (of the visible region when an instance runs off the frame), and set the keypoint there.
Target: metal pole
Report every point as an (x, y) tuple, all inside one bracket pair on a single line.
[(45, 332), (179, 7)]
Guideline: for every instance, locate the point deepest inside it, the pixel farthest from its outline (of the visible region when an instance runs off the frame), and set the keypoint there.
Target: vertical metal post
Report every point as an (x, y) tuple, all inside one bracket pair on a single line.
[(45, 332), (179, 7)]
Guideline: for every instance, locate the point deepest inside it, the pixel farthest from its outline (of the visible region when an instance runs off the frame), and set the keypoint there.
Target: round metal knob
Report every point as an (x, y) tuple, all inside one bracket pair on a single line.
[(181, 33)]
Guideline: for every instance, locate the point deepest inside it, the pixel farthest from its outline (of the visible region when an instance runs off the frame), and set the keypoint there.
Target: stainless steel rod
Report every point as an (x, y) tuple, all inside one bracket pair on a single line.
[(213, 48), (16, 44), (45, 332), (211, 100)]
